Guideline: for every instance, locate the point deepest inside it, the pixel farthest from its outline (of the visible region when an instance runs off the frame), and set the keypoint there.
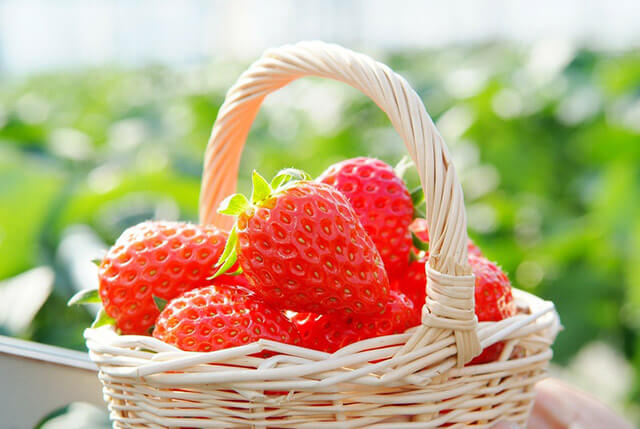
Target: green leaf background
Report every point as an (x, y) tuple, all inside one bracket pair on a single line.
[(550, 165)]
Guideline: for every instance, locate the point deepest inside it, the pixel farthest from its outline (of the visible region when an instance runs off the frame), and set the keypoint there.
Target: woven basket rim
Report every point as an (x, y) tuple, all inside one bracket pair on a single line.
[(542, 313)]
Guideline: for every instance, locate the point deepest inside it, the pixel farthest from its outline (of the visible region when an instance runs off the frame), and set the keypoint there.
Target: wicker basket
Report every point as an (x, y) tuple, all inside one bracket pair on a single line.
[(413, 380)]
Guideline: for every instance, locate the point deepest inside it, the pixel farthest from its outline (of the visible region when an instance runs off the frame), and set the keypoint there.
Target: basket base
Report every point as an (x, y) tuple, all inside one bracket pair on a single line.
[(149, 384)]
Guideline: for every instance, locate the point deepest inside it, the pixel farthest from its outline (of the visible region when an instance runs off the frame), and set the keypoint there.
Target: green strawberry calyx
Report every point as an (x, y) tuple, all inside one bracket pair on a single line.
[(159, 302), (102, 319), (418, 243), (417, 194), (86, 296), (236, 204), (92, 296), (417, 198)]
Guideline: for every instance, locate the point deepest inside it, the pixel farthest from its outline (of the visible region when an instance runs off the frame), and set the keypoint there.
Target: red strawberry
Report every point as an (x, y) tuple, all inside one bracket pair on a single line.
[(493, 298), (414, 281), (330, 332), (162, 259), (383, 204), (303, 248), (490, 354), (494, 301), (419, 228), (221, 316)]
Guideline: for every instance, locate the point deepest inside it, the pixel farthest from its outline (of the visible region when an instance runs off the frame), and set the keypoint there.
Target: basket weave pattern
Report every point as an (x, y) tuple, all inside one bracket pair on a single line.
[(415, 379)]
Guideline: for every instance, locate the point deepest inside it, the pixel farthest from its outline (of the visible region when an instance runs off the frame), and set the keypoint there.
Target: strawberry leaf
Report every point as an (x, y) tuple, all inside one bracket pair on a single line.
[(279, 180), (229, 254), (419, 244), (417, 198), (102, 319), (87, 296), (234, 205), (288, 174), (230, 245), (226, 264), (261, 188), (236, 272), (160, 303)]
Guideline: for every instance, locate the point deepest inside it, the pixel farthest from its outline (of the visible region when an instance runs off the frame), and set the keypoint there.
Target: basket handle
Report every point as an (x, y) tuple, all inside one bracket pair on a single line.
[(450, 287)]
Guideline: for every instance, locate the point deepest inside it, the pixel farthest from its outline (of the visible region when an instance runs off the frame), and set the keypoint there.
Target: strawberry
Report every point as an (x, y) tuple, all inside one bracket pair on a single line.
[(162, 259), (413, 283), (383, 204), (330, 332), (302, 247), (419, 228), (493, 298), (494, 301), (490, 354), (221, 316)]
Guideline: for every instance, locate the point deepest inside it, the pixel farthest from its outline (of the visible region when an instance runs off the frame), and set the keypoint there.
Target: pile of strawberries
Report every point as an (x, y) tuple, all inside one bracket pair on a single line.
[(315, 263)]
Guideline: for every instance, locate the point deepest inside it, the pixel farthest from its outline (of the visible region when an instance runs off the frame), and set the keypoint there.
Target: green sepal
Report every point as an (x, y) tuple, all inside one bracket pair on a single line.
[(288, 174), (102, 319), (416, 255), (418, 243), (87, 296), (234, 204), (160, 302), (229, 246), (417, 198), (261, 188), (236, 272), (97, 261), (226, 264), (229, 254)]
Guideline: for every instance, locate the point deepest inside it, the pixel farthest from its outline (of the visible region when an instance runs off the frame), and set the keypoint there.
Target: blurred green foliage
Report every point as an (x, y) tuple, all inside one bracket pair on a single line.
[(546, 143)]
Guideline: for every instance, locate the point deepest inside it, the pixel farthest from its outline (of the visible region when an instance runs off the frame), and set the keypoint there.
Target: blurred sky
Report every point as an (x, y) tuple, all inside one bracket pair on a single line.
[(38, 35)]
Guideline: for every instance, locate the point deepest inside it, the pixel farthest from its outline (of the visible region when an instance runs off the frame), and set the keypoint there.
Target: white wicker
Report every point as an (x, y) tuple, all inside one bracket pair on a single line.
[(411, 380)]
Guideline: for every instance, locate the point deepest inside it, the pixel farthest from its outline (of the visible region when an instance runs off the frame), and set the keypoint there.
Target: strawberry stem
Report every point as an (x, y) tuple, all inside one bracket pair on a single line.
[(402, 166)]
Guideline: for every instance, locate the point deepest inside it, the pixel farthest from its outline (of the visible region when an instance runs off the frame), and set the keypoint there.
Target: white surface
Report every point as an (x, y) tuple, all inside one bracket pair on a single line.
[(36, 379)]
